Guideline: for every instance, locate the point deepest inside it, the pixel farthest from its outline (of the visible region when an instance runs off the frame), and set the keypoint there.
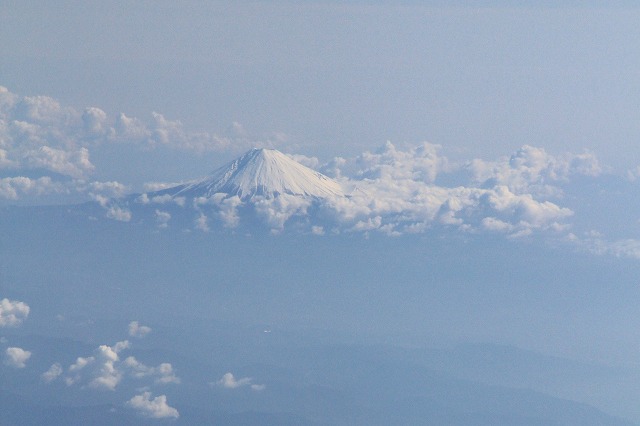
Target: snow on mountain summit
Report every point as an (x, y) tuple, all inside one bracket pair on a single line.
[(262, 172)]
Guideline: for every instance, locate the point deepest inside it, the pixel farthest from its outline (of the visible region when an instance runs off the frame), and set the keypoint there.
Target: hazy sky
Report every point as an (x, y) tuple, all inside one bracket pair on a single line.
[(338, 78), (487, 189)]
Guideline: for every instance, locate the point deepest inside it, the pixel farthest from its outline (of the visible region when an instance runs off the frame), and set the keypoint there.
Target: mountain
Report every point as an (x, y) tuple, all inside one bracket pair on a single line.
[(260, 173)]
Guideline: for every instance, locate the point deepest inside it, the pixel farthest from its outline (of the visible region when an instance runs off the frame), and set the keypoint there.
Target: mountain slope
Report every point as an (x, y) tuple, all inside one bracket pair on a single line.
[(261, 172)]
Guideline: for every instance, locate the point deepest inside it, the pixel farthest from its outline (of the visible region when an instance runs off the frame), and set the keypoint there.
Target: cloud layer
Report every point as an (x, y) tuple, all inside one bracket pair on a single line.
[(46, 148), (400, 192), (47, 155)]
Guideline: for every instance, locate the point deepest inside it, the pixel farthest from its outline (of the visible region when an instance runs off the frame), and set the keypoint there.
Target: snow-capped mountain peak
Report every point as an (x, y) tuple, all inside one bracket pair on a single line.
[(262, 172)]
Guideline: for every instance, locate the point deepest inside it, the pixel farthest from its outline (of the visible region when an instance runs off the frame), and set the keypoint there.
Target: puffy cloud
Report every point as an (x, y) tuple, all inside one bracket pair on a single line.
[(202, 223), (13, 188), (118, 213), (156, 408), (162, 218), (43, 110), (38, 134), (228, 381), (43, 146), (420, 163), (104, 370), (16, 357), (12, 312), (163, 373), (52, 373), (106, 376), (137, 330), (276, 211), (226, 208), (109, 189), (522, 210), (99, 371), (130, 129), (532, 170), (74, 163), (396, 192), (94, 122)]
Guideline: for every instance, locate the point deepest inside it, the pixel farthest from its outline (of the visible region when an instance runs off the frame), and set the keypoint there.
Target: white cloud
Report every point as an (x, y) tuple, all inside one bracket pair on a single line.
[(596, 244), (130, 129), (99, 371), (201, 223), (421, 163), (106, 376), (95, 122), (52, 373), (110, 188), (156, 408), (38, 134), (158, 186), (16, 357), (119, 213), (163, 373), (43, 110), (276, 211), (137, 330), (12, 188), (74, 163), (532, 170), (163, 132), (12, 312), (395, 192), (311, 162), (25, 188), (105, 370), (226, 209), (228, 381), (162, 218)]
